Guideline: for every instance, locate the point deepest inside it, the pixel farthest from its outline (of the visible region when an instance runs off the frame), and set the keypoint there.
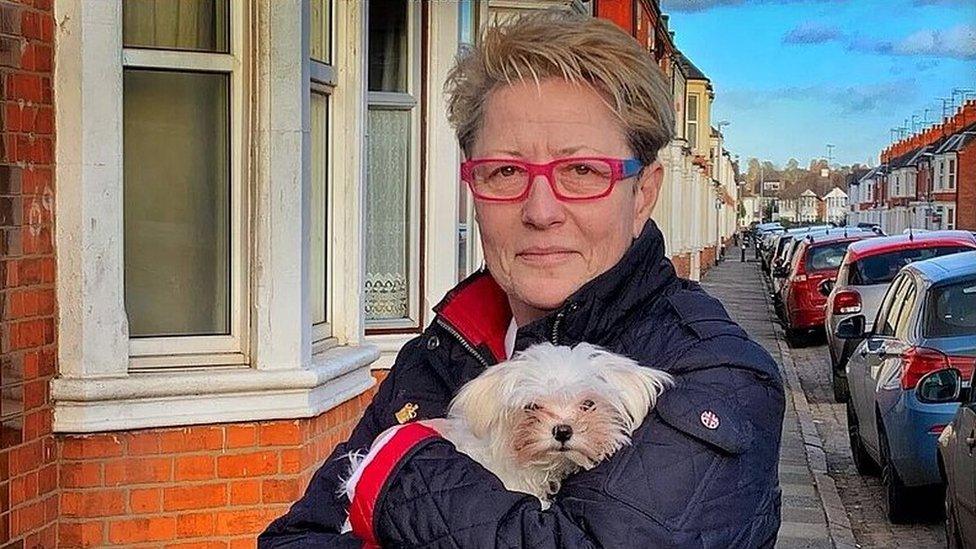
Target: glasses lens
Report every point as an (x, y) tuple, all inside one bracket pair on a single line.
[(583, 178), (499, 179)]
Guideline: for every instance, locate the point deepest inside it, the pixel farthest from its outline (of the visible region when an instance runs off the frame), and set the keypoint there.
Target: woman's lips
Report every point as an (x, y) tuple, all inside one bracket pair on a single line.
[(545, 256)]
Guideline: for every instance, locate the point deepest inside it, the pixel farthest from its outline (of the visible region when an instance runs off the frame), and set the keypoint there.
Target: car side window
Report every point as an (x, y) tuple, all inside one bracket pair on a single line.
[(901, 324), (885, 323)]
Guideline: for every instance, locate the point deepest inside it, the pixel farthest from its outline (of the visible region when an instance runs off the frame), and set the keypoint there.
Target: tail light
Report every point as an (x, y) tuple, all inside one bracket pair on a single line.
[(847, 302), (918, 361)]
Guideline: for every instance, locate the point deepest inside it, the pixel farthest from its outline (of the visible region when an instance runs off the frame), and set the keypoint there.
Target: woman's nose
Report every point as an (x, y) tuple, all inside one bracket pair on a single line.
[(541, 208)]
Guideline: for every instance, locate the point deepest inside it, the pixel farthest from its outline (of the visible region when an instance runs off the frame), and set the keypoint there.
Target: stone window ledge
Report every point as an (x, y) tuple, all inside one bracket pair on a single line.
[(193, 397)]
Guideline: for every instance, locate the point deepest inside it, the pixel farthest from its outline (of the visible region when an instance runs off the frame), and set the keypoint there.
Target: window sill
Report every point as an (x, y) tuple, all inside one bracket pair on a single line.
[(166, 399)]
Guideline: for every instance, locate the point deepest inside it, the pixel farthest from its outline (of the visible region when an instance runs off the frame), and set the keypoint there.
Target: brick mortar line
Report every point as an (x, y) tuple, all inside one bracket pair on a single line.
[(838, 523)]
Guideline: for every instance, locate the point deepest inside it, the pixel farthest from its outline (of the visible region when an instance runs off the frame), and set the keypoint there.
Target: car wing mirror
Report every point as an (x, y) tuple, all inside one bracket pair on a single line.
[(940, 386), (851, 328)]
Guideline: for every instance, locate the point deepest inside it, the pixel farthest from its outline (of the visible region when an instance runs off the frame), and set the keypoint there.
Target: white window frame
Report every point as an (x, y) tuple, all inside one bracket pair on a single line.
[(952, 173), (692, 121), (408, 101), (231, 349), (96, 389), (950, 217), (322, 80)]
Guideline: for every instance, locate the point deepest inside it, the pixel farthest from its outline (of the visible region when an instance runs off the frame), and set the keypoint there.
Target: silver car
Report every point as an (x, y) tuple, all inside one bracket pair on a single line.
[(864, 276)]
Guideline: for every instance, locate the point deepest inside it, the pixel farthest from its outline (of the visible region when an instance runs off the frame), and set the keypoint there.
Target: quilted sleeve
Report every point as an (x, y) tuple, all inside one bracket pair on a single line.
[(316, 519)]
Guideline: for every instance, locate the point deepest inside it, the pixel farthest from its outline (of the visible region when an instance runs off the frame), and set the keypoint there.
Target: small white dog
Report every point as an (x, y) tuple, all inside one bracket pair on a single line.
[(544, 415), (549, 412)]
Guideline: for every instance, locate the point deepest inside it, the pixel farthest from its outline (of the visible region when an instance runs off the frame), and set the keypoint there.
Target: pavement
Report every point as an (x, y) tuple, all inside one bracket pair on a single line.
[(813, 514)]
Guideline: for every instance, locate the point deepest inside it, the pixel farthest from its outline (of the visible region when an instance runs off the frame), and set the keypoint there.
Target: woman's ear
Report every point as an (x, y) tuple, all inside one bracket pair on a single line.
[(648, 188)]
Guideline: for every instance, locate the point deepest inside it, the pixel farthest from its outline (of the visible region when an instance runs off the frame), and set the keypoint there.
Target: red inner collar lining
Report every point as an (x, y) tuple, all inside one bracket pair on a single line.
[(481, 314)]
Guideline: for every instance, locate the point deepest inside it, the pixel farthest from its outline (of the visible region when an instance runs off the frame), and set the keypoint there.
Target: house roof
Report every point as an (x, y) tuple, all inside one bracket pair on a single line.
[(958, 141), (905, 160), (856, 175), (871, 174), (689, 68)]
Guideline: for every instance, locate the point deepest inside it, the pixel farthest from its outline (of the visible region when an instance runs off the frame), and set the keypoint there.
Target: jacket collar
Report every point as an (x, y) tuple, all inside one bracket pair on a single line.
[(478, 309)]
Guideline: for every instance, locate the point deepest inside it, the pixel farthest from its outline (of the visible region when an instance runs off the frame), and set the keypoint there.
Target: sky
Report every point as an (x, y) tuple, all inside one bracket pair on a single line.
[(792, 76)]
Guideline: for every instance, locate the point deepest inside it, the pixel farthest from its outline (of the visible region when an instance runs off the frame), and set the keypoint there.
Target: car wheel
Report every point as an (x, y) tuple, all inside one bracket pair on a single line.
[(794, 337), (897, 496), (841, 393), (862, 461), (953, 538)]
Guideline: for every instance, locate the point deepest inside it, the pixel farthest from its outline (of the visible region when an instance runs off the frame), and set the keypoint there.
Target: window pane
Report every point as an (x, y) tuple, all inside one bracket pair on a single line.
[(199, 25), (388, 215), (320, 198), (322, 30), (177, 203), (388, 46)]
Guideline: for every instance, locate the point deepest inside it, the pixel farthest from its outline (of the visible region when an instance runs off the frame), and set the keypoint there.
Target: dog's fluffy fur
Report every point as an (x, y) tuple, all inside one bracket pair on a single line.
[(506, 419)]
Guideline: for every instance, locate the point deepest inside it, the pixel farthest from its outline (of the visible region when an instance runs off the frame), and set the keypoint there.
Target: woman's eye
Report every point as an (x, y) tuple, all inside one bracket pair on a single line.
[(587, 405), (506, 171), (582, 169), (531, 407)]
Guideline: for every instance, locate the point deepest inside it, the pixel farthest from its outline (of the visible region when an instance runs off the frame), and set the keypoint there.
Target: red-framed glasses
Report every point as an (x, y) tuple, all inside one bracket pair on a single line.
[(571, 179)]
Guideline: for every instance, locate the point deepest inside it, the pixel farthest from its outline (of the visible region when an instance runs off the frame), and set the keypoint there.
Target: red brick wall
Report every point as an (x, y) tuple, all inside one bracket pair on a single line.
[(682, 265), (966, 187), (707, 259), (28, 468), (201, 486)]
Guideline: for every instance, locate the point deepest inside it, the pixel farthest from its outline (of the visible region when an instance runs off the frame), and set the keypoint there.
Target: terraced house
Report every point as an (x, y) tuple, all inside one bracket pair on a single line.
[(219, 221), (925, 181)]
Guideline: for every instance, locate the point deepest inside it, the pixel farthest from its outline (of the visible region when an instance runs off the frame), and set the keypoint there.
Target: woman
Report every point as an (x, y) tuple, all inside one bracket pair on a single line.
[(561, 118)]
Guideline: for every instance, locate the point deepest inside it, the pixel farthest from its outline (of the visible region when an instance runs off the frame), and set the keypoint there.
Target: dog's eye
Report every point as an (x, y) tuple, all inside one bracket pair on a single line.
[(531, 407), (587, 405)]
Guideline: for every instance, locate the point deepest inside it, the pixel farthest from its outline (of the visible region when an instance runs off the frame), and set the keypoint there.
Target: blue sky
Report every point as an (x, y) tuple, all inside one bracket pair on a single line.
[(794, 75)]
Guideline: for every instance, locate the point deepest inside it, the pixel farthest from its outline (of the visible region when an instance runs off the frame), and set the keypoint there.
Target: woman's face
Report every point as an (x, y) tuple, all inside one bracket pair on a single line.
[(542, 250)]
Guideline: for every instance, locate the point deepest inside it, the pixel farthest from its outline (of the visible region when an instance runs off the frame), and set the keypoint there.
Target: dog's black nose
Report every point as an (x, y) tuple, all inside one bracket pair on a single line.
[(562, 433)]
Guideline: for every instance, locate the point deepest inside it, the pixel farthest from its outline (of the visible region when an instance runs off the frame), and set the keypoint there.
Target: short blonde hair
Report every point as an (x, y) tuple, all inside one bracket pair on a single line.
[(577, 48)]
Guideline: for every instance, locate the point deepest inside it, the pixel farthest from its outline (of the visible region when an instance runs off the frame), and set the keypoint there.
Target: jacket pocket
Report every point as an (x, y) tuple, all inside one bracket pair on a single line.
[(687, 450)]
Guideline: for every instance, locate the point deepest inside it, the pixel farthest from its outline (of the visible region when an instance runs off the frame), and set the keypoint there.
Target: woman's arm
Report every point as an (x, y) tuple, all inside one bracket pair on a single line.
[(316, 519)]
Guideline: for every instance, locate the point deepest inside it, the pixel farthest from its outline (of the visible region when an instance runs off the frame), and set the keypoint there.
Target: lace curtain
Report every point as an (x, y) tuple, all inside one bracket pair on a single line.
[(388, 215)]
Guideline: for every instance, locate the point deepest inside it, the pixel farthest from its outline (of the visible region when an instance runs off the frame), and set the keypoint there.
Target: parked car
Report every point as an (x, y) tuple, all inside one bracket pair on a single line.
[(865, 274), (816, 259), (926, 324), (957, 460)]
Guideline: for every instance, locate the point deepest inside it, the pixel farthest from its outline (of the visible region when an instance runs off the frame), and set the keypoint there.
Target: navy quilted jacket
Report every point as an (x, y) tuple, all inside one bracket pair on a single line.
[(685, 481)]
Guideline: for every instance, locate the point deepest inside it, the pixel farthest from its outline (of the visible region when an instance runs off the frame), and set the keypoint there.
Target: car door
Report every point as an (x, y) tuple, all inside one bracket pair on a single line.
[(965, 469), (857, 365), (887, 377), (874, 352)]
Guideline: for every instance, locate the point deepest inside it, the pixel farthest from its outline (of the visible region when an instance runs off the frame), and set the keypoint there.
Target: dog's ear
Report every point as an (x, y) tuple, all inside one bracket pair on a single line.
[(481, 401), (637, 387)]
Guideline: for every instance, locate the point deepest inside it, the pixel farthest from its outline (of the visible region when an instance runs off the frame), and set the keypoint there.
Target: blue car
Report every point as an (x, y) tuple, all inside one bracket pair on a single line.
[(926, 324)]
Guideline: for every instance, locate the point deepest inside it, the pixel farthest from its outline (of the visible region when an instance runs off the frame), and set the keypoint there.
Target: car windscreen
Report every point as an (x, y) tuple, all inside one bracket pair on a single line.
[(882, 268), (951, 310), (826, 256)]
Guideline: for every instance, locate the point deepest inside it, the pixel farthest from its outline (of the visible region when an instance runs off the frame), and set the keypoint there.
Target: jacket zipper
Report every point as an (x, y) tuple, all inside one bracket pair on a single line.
[(555, 326), (464, 343)]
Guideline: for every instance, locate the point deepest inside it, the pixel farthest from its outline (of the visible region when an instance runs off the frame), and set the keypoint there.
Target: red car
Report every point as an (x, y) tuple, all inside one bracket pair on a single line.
[(816, 260)]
